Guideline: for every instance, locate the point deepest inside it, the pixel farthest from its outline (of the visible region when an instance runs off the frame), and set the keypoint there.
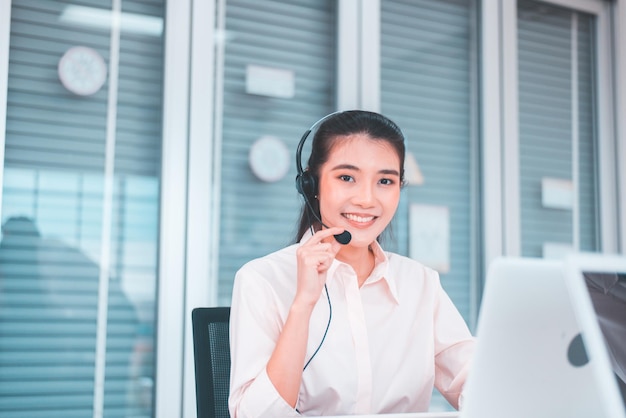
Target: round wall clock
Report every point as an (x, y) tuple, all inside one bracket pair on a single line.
[(269, 159), (82, 70)]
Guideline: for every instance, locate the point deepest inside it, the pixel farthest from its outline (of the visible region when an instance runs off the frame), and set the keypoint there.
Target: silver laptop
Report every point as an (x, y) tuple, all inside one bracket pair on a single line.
[(540, 350)]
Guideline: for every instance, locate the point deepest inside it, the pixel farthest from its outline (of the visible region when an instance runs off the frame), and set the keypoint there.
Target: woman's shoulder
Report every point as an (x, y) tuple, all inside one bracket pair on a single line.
[(406, 269), (267, 282), (404, 261), (273, 266)]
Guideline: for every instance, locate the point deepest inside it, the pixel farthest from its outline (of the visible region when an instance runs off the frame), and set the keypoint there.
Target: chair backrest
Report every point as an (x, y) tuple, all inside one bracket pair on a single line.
[(212, 361)]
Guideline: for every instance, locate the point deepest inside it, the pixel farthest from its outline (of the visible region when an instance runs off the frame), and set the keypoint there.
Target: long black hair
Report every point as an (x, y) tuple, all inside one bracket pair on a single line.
[(350, 122)]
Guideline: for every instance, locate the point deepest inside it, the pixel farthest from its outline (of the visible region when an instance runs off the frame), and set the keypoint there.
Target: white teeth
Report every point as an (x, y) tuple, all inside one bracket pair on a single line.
[(358, 218)]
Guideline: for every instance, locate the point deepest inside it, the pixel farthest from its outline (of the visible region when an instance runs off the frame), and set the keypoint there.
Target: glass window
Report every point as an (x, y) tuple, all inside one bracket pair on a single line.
[(558, 147), (428, 61), (80, 210), (279, 78)]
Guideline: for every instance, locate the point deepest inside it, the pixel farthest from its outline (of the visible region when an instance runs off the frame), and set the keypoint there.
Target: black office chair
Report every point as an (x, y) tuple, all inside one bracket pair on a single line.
[(212, 361)]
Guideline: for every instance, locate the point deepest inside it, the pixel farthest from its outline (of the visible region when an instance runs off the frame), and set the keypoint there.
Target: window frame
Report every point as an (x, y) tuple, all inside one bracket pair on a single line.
[(5, 36), (619, 44), (171, 345), (501, 126)]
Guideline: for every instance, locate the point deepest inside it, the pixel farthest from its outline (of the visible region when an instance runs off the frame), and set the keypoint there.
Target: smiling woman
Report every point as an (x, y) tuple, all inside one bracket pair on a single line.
[(327, 327)]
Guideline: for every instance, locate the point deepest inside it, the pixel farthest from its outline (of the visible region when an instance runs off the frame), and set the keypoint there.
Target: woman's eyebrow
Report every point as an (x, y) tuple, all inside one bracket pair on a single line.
[(390, 172), (355, 168), (346, 167)]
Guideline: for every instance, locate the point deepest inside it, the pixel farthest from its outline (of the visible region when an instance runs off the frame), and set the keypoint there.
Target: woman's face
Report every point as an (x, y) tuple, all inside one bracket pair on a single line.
[(359, 187)]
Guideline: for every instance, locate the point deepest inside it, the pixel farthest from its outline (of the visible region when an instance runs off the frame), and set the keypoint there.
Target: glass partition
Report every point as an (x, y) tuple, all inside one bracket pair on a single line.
[(80, 209)]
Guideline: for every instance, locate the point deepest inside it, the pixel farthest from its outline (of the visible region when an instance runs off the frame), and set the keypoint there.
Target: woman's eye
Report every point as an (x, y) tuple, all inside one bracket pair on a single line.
[(386, 182), (345, 177)]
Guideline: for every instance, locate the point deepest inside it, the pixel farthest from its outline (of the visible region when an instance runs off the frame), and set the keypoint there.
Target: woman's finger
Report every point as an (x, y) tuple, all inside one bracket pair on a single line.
[(322, 234)]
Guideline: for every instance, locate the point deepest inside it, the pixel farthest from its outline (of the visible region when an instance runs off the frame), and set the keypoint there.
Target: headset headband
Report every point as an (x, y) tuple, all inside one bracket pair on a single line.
[(305, 136)]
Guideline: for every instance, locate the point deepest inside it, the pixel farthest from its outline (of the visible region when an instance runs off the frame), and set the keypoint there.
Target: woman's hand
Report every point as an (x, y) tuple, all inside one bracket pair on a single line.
[(314, 259)]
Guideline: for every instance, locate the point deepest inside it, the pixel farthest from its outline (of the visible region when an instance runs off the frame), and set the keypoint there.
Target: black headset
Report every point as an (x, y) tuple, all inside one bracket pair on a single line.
[(306, 182)]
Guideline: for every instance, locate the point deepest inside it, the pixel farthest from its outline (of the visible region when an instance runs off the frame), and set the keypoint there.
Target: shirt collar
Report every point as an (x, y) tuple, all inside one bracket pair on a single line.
[(380, 272)]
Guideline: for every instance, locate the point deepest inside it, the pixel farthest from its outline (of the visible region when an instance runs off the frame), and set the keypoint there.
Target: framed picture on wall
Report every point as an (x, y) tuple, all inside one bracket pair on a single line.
[(429, 239)]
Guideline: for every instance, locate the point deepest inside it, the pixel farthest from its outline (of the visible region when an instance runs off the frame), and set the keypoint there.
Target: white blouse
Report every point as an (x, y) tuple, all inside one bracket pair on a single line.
[(388, 342)]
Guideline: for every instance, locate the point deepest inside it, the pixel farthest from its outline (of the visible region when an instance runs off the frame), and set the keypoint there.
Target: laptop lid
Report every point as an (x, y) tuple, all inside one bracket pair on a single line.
[(539, 352), (604, 277)]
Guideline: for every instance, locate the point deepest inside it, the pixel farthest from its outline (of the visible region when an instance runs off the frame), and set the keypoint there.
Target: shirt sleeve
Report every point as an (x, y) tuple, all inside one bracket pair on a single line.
[(454, 348), (254, 329)]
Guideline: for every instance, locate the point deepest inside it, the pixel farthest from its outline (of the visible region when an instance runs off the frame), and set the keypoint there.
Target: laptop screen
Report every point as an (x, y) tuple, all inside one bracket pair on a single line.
[(608, 296)]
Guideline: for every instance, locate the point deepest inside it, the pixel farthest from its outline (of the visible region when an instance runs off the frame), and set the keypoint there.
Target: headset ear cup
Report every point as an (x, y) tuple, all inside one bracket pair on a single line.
[(306, 184)]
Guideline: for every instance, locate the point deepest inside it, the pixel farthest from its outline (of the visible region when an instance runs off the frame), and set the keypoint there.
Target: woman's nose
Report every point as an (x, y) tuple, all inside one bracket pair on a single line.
[(364, 195)]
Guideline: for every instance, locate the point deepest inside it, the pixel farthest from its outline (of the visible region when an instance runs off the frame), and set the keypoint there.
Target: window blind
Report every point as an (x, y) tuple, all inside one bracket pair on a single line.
[(52, 213), (546, 68), (428, 68), (588, 191), (297, 36)]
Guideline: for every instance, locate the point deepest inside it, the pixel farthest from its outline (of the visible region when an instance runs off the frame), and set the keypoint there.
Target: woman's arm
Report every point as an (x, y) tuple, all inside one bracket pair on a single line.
[(287, 361), (454, 348), (284, 367), (267, 356)]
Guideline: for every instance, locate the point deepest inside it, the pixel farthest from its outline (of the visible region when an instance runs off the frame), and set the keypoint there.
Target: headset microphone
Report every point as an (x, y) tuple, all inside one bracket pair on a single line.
[(306, 183), (342, 238)]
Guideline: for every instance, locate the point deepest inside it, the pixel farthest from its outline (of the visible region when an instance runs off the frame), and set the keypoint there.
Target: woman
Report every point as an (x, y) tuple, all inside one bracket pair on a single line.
[(323, 328)]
